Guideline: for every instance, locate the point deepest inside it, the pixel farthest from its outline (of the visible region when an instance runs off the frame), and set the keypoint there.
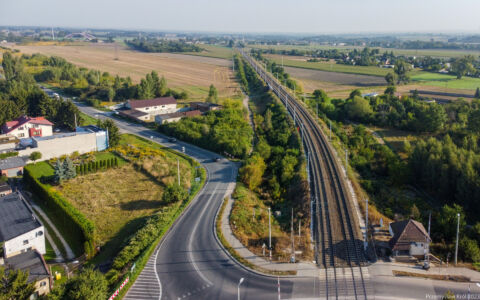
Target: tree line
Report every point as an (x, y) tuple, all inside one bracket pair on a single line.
[(156, 45)]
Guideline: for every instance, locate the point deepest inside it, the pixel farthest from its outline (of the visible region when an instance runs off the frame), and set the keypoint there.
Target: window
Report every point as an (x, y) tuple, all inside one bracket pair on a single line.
[(156, 107), (21, 134), (35, 126), (20, 128), (146, 108), (43, 283), (40, 233), (163, 106), (25, 242)]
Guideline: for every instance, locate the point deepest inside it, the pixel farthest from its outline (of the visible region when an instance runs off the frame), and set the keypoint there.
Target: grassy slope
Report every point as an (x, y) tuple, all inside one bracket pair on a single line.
[(445, 80)]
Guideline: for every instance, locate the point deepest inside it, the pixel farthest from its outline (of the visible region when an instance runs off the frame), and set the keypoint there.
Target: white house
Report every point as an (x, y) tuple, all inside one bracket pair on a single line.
[(20, 230), (28, 127), (153, 107), (409, 237)]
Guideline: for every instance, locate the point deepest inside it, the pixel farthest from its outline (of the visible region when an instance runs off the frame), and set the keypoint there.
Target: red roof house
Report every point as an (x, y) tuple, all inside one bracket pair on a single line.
[(28, 127)]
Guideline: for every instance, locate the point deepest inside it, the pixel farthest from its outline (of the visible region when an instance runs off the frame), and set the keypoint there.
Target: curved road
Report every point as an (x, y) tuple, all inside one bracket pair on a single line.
[(190, 263)]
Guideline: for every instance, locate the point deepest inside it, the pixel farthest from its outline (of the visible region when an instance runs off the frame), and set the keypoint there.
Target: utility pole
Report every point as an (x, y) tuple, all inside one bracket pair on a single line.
[(53, 35), (299, 228), (456, 244), (269, 233), (365, 245), (178, 171), (330, 130), (293, 241), (346, 160), (427, 244)]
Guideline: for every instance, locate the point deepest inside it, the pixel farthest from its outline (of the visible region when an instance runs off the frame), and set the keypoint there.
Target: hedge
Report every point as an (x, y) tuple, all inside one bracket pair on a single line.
[(92, 167), (75, 223)]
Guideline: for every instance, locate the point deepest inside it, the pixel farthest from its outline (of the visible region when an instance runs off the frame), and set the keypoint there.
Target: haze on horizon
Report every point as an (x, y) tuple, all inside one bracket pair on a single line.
[(274, 16)]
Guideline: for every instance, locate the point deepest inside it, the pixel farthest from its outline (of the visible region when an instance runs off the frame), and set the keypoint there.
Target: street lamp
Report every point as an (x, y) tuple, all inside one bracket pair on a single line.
[(238, 287), (456, 244)]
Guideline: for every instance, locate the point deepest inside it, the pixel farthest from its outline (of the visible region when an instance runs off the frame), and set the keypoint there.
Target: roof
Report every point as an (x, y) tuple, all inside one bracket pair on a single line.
[(407, 231), (151, 102), (16, 217), (30, 261), (11, 163), (133, 113), (181, 114), (5, 187), (12, 125)]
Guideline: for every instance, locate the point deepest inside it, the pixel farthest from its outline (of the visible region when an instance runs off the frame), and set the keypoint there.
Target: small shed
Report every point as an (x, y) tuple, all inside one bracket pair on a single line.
[(12, 166), (409, 237)]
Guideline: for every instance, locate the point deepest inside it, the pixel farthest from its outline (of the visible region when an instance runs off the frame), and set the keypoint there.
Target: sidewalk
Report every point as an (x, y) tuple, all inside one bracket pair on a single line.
[(303, 269), (386, 269)]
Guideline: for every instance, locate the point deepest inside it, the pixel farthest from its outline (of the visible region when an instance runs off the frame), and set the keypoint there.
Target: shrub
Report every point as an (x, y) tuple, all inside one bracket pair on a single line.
[(174, 193)]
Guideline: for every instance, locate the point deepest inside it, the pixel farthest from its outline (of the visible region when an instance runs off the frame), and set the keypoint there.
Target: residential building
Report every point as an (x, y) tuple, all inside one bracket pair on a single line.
[(204, 106), (5, 189), (174, 117), (20, 230), (85, 139), (12, 166), (138, 109), (409, 237), (28, 127), (38, 272)]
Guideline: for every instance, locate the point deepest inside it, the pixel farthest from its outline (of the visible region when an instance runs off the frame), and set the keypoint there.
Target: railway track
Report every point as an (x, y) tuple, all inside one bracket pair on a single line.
[(336, 233)]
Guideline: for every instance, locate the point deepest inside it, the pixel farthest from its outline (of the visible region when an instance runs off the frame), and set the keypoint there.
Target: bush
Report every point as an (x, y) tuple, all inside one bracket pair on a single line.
[(76, 223), (174, 193)]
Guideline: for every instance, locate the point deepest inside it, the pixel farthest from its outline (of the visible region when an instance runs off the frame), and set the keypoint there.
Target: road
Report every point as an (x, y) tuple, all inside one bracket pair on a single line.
[(190, 263)]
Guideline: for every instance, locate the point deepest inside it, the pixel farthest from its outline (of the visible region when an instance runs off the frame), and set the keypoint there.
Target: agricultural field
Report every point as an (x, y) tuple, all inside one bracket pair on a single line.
[(406, 52), (445, 80), (330, 66), (214, 51), (189, 73)]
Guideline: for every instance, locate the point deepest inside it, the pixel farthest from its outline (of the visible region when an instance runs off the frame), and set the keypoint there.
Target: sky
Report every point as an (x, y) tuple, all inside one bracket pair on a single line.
[(243, 16)]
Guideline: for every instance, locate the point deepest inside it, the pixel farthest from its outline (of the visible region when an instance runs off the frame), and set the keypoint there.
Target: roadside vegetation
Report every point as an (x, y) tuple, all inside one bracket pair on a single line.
[(273, 176)]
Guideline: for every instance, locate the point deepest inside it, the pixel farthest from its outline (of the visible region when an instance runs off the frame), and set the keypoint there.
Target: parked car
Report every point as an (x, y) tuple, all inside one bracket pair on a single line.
[(172, 140)]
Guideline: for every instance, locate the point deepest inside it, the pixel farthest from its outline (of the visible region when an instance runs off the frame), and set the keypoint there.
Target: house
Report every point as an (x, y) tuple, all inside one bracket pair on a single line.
[(85, 139), (5, 189), (409, 237), (152, 107), (204, 106), (28, 127), (136, 115), (12, 166), (38, 272), (174, 117), (20, 230)]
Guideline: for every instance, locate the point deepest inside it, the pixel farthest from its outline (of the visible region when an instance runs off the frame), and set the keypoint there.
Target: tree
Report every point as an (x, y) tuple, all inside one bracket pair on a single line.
[(469, 250), (414, 212), (448, 221), (13, 284), (390, 78), (390, 90), (252, 172), (174, 193), (69, 169), (35, 156), (212, 94), (463, 65), (474, 121), (320, 95), (113, 131), (358, 109), (88, 284), (477, 93), (401, 69), (59, 171), (354, 93)]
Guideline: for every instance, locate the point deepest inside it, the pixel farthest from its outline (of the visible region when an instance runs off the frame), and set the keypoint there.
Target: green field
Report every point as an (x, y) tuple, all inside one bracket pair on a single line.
[(214, 51), (331, 66), (407, 52), (445, 80)]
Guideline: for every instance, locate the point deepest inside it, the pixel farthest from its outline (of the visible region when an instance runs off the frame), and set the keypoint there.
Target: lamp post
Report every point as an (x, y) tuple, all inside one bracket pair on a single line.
[(269, 234), (238, 287), (456, 244)]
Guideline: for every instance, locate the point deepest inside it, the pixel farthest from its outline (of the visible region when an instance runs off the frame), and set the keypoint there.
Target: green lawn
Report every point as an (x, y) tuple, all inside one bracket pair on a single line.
[(445, 80), (87, 120), (50, 254)]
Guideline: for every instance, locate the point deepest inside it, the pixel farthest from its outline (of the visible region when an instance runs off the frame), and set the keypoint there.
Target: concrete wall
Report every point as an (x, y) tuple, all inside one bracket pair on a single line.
[(42, 287), (163, 120), (36, 240), (50, 148), (417, 249)]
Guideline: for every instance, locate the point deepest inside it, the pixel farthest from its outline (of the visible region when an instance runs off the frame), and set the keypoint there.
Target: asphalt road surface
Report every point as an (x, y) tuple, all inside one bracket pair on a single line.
[(190, 263)]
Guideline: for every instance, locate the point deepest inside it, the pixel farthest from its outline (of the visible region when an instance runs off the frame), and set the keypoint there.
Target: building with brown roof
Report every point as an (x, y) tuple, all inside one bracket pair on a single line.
[(28, 127), (145, 110), (409, 237)]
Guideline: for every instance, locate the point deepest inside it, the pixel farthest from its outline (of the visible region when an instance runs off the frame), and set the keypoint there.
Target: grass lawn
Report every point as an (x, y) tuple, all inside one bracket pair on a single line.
[(87, 120), (61, 270), (50, 254), (445, 80)]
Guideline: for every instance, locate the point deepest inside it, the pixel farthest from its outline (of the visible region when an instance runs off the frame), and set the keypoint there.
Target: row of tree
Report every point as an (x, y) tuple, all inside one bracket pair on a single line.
[(156, 45), (94, 166)]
